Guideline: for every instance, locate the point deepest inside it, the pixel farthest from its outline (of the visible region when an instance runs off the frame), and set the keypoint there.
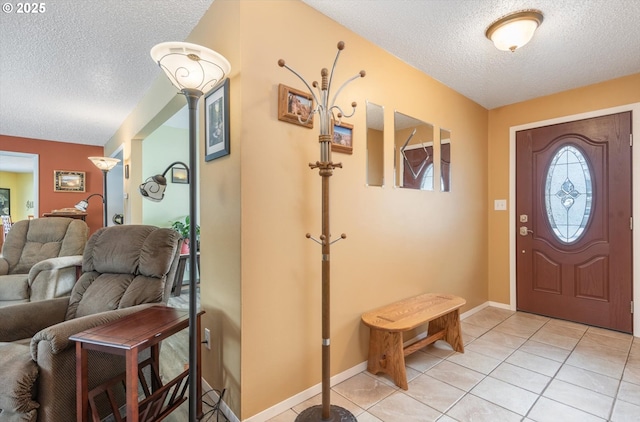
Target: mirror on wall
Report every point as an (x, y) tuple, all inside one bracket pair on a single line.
[(375, 144), (413, 140), (445, 160)]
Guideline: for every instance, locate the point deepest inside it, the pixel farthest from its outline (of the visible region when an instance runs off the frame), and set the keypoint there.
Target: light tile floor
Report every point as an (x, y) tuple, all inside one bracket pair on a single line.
[(516, 367)]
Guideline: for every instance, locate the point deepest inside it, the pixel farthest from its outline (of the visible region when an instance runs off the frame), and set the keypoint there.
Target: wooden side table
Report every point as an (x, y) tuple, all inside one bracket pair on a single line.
[(129, 336), (79, 215)]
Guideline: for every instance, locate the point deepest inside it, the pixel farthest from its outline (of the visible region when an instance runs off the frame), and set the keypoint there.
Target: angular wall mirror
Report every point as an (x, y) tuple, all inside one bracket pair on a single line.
[(375, 144), (413, 140), (445, 160)]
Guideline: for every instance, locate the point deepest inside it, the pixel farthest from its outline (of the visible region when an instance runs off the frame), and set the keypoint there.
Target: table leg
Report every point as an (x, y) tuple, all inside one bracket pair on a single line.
[(132, 384), (155, 370), (82, 384)]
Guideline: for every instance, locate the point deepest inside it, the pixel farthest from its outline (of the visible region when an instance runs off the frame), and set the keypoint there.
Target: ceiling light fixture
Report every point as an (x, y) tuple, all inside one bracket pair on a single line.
[(512, 31)]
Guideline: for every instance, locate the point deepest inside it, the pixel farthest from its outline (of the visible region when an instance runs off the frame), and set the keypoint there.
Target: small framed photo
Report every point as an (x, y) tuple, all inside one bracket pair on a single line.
[(68, 181), (179, 175), (5, 201), (216, 123), (342, 139), (295, 106)]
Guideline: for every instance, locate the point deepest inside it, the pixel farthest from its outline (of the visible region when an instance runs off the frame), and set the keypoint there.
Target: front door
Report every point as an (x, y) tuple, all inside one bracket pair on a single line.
[(573, 216)]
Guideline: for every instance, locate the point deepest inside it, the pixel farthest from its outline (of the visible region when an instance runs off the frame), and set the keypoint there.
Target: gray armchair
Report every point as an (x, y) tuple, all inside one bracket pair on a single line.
[(125, 268), (39, 259)]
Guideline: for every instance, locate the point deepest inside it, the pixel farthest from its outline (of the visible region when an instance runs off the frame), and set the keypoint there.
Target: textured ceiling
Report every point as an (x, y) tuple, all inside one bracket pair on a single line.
[(75, 72), (579, 43)]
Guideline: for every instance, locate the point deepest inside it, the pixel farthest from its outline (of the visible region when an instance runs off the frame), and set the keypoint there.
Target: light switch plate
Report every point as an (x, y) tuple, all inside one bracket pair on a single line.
[(500, 205)]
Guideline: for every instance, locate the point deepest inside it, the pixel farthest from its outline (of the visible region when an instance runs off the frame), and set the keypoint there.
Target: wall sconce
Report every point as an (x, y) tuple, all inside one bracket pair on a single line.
[(514, 30), (84, 204), (153, 188)]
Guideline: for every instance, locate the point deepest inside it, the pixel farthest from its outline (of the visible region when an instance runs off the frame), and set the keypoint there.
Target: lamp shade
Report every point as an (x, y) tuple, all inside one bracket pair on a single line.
[(515, 30), (82, 205), (153, 188), (104, 163), (190, 66)]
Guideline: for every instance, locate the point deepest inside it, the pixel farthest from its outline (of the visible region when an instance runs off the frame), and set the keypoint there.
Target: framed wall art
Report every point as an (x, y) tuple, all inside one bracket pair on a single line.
[(216, 123), (342, 139), (68, 181), (295, 106), (5, 201), (179, 175)]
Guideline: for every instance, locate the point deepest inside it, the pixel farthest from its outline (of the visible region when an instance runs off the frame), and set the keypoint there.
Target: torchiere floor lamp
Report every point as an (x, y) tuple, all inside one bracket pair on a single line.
[(325, 108), (105, 164), (192, 69)]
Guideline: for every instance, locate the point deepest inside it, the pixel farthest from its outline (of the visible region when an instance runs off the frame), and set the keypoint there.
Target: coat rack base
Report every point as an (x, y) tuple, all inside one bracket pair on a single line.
[(337, 414)]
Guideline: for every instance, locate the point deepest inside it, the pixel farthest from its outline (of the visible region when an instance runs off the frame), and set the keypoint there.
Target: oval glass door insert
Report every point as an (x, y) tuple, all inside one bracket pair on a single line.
[(568, 194)]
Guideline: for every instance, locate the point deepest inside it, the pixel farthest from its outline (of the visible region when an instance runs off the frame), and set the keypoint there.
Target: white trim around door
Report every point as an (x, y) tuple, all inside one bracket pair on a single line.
[(635, 129)]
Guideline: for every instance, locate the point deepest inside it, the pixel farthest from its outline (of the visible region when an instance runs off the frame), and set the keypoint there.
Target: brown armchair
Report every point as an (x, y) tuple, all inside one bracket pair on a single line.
[(39, 259), (125, 268)]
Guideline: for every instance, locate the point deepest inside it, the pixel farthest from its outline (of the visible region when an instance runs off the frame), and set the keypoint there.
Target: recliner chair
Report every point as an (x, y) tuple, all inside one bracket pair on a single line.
[(40, 258), (125, 269)]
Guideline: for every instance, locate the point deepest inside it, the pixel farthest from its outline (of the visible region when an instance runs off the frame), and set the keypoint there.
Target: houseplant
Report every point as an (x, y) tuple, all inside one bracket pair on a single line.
[(183, 226)]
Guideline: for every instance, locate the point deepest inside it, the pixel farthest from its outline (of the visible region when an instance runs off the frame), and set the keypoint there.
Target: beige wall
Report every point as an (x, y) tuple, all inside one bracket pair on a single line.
[(400, 243), (604, 95), (260, 284)]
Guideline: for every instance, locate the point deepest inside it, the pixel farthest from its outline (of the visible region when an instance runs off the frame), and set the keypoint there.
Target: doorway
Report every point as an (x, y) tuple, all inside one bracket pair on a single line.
[(573, 213), (115, 191), (24, 167)]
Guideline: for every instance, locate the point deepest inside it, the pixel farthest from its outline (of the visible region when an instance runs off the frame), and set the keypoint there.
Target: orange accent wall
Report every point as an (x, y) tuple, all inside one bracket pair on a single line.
[(62, 156)]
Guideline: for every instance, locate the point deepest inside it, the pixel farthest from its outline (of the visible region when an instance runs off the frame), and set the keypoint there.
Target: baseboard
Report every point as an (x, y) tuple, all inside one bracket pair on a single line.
[(301, 397), (305, 395)]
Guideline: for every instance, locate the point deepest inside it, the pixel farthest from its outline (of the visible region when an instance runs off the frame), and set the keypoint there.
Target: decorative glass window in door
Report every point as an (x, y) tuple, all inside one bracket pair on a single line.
[(568, 193)]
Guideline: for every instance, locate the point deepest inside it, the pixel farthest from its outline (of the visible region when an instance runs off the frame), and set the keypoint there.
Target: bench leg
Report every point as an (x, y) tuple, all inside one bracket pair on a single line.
[(386, 355), (450, 323)]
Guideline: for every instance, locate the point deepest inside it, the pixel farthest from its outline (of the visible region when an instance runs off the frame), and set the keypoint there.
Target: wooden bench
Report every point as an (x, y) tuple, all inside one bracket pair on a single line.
[(386, 349)]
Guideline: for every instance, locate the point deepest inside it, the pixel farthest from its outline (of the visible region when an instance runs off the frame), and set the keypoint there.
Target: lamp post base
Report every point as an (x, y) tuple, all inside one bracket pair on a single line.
[(337, 414)]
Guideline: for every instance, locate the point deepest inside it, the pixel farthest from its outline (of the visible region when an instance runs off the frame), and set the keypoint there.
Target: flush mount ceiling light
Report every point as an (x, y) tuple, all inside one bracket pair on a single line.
[(514, 30)]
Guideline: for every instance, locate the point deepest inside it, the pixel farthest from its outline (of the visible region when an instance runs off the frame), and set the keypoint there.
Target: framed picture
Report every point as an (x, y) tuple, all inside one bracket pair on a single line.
[(342, 139), (216, 123), (179, 175), (295, 106), (5, 201), (68, 181)]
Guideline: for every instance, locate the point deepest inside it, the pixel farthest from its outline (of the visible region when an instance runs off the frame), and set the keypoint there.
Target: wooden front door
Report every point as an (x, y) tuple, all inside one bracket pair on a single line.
[(573, 217)]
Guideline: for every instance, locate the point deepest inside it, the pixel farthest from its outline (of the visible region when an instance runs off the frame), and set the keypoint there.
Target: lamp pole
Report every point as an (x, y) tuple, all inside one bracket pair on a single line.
[(104, 196), (192, 69), (193, 95)]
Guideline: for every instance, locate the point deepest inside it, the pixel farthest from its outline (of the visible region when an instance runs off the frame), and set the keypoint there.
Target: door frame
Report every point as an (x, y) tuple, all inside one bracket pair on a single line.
[(635, 165)]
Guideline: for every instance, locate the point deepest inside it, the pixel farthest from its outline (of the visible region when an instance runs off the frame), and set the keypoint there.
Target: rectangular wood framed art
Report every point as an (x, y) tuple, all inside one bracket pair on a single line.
[(295, 106), (68, 181), (179, 175), (216, 123), (342, 139), (5, 201)]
